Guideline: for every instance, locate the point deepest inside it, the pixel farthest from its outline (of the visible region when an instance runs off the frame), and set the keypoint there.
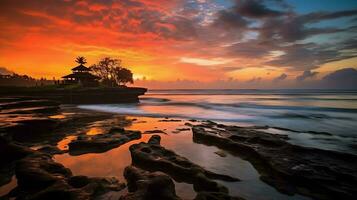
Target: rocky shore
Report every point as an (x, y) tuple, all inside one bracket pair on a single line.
[(291, 169), (94, 95), (33, 131)]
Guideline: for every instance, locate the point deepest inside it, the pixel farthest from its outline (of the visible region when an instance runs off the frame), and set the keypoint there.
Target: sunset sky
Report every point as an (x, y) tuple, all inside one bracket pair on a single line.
[(183, 43)]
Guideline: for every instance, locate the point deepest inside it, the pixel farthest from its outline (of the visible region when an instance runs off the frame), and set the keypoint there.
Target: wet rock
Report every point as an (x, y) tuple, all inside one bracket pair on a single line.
[(178, 130), (32, 110), (103, 142), (39, 177), (155, 139), (291, 169), (52, 150), (188, 124), (148, 185), (9, 154), (30, 130), (154, 132), (39, 169), (96, 185), (170, 120), (221, 153), (28, 104), (215, 196), (153, 157)]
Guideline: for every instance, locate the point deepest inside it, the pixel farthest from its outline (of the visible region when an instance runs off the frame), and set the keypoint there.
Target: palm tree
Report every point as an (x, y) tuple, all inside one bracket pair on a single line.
[(81, 60)]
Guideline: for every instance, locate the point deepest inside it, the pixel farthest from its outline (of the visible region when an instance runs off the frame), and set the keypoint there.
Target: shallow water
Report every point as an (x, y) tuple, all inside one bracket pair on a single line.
[(113, 162), (329, 111)]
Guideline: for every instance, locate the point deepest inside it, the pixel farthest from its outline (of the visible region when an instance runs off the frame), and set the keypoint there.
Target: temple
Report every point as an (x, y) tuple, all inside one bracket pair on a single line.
[(81, 75)]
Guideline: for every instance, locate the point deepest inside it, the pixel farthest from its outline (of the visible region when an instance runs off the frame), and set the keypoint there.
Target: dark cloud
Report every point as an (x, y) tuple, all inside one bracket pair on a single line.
[(286, 31), (230, 20), (282, 77), (341, 79), (255, 9), (306, 75), (318, 16), (249, 49), (294, 27), (306, 56)]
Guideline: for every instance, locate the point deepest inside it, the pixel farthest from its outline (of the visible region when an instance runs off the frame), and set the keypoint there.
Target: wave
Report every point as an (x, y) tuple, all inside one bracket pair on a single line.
[(154, 100), (236, 112), (225, 106), (136, 111)]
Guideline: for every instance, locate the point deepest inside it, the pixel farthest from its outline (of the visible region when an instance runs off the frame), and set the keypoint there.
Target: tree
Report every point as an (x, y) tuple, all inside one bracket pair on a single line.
[(81, 60), (111, 72), (123, 76)]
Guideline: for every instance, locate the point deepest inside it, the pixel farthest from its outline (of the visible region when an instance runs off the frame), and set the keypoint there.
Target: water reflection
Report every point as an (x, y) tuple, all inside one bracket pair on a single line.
[(5, 189), (113, 162), (63, 144), (95, 131)]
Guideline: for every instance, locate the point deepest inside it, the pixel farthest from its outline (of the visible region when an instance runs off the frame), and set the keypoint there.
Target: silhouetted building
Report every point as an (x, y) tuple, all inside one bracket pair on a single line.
[(81, 75)]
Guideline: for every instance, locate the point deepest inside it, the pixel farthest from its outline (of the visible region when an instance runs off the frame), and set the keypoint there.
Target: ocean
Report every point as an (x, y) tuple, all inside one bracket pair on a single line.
[(325, 119)]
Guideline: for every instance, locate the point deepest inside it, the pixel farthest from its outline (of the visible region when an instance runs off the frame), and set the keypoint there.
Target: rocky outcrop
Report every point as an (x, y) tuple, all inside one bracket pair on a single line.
[(26, 120), (80, 95), (215, 196), (103, 142), (9, 154), (291, 169), (39, 177), (31, 130), (154, 132), (144, 185), (52, 150), (153, 157), (28, 106), (28, 103)]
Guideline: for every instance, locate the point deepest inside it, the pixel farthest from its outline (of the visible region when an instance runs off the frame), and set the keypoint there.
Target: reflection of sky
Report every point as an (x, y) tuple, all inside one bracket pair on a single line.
[(113, 162)]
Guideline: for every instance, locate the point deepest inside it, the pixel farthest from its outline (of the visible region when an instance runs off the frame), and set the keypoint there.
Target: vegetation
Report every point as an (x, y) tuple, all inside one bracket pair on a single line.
[(112, 73), (81, 60), (22, 80)]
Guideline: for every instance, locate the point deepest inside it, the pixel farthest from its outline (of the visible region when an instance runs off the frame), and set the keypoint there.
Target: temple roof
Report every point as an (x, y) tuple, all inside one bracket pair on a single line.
[(81, 75), (81, 68)]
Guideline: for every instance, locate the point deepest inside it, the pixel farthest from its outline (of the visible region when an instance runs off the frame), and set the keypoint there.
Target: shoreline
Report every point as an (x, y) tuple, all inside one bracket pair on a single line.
[(175, 135), (83, 95)]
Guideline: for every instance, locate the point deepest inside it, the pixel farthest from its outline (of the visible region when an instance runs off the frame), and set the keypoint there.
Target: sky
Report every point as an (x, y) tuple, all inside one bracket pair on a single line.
[(187, 43)]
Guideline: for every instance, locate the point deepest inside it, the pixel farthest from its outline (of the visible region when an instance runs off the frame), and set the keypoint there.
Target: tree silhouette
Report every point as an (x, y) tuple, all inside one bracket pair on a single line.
[(81, 60), (123, 76), (111, 72)]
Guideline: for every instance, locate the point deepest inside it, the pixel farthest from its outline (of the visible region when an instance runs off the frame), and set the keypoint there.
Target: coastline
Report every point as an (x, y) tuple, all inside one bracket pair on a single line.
[(85, 95), (175, 133)]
